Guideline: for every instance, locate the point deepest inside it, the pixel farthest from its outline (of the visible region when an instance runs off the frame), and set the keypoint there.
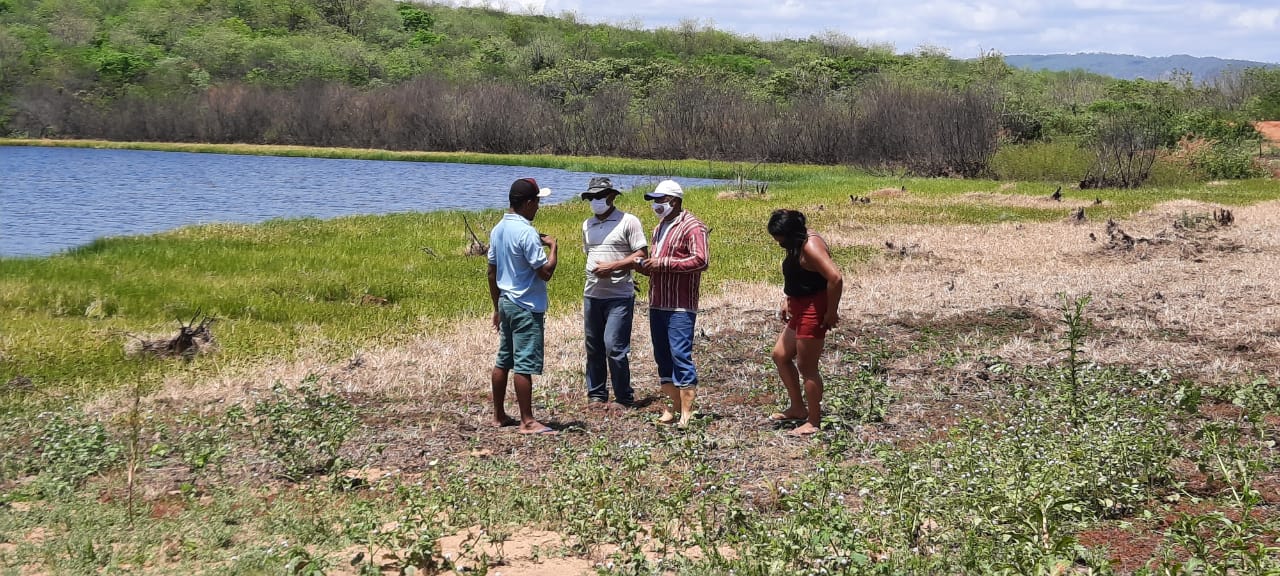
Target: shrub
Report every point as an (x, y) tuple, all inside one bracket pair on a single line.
[(72, 447), (1124, 143), (303, 429), (1218, 159), (1053, 161)]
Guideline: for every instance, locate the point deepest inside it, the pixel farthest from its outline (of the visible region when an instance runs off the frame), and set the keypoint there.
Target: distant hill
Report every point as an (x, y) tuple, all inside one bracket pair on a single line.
[(1131, 67)]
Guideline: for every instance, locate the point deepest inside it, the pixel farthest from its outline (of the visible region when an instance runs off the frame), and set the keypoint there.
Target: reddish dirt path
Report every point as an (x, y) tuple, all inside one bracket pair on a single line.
[(1270, 130)]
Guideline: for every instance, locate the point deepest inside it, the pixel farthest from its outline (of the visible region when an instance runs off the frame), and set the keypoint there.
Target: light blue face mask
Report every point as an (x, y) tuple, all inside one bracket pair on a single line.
[(599, 206)]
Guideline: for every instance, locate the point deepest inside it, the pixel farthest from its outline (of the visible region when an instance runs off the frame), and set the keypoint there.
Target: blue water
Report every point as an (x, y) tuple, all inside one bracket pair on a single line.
[(52, 199)]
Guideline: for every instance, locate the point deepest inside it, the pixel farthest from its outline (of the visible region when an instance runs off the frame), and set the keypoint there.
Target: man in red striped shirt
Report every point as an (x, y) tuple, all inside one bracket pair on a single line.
[(675, 275)]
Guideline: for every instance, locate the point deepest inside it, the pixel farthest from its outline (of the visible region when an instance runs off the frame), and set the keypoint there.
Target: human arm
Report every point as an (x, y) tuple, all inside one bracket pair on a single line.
[(634, 235), (628, 262), (694, 259), (493, 292), (546, 270), (817, 258)]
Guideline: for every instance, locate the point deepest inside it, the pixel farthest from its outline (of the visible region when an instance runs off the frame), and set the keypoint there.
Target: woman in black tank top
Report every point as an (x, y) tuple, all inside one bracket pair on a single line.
[(813, 286), (798, 281)]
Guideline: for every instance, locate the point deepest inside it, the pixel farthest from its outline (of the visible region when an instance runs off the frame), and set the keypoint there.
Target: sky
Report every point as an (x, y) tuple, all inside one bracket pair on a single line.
[(1245, 30)]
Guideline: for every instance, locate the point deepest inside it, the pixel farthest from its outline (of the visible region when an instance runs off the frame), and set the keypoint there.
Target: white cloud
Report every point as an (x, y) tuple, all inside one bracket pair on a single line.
[(1264, 20)]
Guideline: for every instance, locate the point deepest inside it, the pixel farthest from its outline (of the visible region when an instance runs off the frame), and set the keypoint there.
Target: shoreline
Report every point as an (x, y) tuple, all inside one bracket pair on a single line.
[(691, 168)]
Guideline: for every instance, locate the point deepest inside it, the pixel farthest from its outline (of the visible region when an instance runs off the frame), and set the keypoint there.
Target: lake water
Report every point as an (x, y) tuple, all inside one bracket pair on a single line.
[(52, 199)]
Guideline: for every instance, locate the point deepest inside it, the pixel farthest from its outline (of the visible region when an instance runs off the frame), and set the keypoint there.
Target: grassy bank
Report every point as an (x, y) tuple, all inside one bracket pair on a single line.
[(976, 421)]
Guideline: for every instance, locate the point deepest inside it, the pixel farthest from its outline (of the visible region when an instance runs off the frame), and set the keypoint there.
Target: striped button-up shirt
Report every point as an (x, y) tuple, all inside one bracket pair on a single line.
[(679, 257)]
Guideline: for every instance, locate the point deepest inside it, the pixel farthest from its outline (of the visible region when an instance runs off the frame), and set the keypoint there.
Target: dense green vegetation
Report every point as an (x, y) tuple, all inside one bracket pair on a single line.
[(407, 76)]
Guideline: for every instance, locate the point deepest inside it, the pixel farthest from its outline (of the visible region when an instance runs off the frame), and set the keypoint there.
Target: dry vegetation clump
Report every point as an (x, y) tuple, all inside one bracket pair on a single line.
[(1023, 200), (191, 340), (884, 193)]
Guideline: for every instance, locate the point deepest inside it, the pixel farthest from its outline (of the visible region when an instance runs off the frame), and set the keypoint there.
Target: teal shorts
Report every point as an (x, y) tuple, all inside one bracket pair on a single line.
[(520, 349)]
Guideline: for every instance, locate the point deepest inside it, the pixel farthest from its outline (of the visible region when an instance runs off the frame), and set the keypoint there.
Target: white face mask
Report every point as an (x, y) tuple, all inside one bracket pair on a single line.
[(661, 209), (599, 206)]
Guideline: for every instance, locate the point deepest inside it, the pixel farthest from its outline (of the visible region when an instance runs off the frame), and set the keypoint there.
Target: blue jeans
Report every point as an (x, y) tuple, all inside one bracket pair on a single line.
[(607, 324), (672, 334)]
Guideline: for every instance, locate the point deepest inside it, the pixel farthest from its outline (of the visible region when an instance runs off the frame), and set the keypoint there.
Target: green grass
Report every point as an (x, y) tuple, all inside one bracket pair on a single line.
[(282, 285)]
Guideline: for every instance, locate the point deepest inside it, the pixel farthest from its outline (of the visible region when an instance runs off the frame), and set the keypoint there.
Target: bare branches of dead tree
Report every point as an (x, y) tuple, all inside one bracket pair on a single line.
[(475, 247), (191, 339)]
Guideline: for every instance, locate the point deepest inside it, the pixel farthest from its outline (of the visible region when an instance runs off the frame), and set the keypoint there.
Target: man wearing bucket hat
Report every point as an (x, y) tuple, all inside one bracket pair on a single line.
[(518, 275), (675, 277), (614, 241)]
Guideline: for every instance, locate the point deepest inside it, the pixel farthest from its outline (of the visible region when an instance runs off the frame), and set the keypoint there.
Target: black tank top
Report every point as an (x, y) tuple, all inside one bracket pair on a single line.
[(798, 282)]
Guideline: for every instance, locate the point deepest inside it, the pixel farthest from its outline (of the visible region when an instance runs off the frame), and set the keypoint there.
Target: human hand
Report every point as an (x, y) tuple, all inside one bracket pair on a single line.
[(496, 320), (547, 240), (832, 318)]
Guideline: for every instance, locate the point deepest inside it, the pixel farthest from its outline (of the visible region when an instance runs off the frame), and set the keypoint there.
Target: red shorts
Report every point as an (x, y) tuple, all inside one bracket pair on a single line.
[(807, 313)]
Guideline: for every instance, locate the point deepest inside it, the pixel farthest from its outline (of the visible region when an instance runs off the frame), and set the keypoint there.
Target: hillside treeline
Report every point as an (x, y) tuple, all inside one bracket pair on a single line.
[(399, 75)]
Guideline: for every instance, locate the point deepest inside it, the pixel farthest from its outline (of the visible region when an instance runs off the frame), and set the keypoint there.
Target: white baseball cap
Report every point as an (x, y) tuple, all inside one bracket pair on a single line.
[(665, 188)]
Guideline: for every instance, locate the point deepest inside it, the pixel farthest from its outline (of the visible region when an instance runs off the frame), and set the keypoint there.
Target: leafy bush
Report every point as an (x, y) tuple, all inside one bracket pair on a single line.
[(303, 429), (1052, 161), (71, 447), (1124, 142), (1215, 159), (1019, 479), (1231, 161), (198, 440)]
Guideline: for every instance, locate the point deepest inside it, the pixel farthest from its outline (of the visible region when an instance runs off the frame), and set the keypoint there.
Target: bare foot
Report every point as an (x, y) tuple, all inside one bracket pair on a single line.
[(537, 428), (503, 421), (667, 418), (789, 414), (805, 429)]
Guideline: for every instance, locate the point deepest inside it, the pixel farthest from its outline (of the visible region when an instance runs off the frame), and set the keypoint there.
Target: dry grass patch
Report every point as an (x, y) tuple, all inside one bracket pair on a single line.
[(1180, 307), (1019, 200)]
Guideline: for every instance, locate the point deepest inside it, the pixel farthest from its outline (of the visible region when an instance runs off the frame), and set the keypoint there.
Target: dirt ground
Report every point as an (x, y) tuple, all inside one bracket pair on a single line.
[(1197, 297), (1269, 130)]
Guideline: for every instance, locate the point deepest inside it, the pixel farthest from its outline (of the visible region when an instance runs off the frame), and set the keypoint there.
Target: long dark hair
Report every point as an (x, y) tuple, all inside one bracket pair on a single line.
[(790, 225)]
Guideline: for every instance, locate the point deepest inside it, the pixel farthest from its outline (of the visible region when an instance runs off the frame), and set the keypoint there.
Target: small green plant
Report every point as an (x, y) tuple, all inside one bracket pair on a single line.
[(72, 447), (300, 562), (204, 441), (303, 429), (1077, 328), (865, 397)]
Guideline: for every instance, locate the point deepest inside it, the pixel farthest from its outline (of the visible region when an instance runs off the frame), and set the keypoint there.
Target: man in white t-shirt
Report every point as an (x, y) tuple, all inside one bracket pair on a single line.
[(614, 243)]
